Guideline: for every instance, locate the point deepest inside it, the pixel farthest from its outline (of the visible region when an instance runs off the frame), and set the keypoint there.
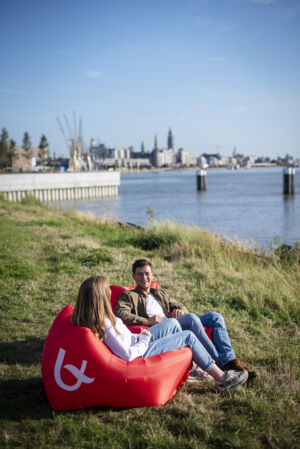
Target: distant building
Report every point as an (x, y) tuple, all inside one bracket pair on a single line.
[(166, 155), (143, 154), (163, 157), (21, 163), (102, 156), (287, 160), (60, 163), (248, 161), (213, 159), (184, 158), (170, 142)]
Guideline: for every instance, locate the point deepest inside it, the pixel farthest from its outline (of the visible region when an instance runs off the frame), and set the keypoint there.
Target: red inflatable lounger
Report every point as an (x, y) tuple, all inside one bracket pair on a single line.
[(79, 371)]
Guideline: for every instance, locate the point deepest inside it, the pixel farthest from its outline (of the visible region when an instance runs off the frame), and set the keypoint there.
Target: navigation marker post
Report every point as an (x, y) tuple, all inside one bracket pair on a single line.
[(289, 181), (201, 180)]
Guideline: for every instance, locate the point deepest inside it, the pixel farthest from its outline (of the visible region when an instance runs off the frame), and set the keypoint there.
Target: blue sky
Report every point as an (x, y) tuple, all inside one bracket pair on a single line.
[(220, 73)]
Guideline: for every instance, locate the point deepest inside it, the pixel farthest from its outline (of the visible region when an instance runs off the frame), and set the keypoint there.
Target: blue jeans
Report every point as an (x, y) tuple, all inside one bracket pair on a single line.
[(221, 351), (168, 336), (166, 327)]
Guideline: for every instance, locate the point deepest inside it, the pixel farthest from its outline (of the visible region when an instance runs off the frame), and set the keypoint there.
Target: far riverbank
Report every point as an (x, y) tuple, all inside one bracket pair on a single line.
[(172, 169)]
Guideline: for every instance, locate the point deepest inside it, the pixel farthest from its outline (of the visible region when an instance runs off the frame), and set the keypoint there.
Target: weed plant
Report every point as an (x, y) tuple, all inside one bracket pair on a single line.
[(46, 254)]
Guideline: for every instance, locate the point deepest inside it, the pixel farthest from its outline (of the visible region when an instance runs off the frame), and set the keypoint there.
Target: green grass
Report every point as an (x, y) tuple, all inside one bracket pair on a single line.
[(46, 254)]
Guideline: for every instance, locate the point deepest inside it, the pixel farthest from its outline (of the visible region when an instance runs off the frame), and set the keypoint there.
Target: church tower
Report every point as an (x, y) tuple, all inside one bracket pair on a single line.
[(155, 153), (170, 140)]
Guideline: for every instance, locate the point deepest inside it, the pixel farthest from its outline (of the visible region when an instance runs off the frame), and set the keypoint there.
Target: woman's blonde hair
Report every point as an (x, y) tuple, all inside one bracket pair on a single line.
[(93, 305)]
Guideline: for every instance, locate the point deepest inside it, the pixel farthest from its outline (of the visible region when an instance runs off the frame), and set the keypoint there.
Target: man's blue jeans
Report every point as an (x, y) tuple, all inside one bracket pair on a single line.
[(221, 351), (168, 336)]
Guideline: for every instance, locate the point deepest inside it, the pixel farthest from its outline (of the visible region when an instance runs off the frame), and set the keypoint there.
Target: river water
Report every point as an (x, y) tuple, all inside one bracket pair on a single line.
[(241, 204)]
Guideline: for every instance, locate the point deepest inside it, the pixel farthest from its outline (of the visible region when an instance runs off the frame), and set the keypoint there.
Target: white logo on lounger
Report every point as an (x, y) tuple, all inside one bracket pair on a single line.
[(78, 373)]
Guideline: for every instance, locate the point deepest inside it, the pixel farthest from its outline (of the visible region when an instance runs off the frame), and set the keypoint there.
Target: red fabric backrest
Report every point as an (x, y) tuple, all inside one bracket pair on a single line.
[(116, 291)]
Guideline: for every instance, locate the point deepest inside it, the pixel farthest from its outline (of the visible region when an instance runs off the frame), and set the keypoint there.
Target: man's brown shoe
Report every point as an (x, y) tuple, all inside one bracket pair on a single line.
[(236, 365)]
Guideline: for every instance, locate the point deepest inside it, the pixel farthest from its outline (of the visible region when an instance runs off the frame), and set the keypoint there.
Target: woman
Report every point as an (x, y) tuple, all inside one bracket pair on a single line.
[(93, 310)]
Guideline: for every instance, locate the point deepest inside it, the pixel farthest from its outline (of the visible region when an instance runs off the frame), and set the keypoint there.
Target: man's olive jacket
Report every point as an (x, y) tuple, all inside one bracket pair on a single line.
[(131, 305)]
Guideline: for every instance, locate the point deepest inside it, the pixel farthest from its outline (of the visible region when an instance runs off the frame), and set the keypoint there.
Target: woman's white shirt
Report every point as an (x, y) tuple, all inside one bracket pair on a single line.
[(124, 343)]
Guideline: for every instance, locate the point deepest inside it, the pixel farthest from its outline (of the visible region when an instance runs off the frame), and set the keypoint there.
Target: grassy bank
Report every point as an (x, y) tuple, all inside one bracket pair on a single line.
[(46, 254)]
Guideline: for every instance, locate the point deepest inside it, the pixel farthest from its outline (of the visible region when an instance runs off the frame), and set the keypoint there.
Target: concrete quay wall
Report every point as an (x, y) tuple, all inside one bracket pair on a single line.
[(60, 186)]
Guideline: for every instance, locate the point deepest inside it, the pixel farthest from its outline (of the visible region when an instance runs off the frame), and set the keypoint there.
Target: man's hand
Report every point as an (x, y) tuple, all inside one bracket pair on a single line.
[(154, 320), (177, 313)]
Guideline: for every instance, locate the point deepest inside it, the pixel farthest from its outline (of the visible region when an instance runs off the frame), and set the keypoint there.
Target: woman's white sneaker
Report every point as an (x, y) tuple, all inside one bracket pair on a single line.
[(198, 374)]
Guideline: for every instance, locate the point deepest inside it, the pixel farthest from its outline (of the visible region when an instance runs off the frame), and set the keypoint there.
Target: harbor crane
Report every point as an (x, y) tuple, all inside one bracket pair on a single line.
[(80, 159)]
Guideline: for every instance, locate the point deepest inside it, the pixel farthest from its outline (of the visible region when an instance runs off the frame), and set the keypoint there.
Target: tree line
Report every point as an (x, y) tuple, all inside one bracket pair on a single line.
[(8, 149)]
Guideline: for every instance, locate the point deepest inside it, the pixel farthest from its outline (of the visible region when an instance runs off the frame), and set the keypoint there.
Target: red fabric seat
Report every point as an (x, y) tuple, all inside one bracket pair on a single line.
[(79, 371)]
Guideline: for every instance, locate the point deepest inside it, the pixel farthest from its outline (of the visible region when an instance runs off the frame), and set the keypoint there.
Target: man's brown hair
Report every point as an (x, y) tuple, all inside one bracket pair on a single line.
[(141, 263)]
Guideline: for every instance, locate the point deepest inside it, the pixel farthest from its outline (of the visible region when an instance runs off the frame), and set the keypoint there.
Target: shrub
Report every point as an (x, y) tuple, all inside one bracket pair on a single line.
[(30, 200), (155, 237), (96, 257)]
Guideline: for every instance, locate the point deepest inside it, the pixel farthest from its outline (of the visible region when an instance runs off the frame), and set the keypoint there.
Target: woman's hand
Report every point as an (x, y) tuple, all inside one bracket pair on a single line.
[(145, 332)]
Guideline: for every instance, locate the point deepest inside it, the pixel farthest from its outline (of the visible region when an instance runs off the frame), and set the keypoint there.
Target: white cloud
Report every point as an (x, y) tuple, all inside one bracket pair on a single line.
[(92, 74)]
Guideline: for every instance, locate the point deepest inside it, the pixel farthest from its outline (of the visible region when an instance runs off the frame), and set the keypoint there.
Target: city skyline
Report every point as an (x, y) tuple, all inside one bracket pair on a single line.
[(221, 74)]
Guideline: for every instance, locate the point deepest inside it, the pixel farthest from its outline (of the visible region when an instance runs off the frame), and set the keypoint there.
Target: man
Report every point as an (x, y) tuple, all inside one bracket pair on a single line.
[(148, 306)]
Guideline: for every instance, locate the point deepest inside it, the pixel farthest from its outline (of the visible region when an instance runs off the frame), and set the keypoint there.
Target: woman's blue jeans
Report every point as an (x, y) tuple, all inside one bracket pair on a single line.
[(168, 336), (221, 351)]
